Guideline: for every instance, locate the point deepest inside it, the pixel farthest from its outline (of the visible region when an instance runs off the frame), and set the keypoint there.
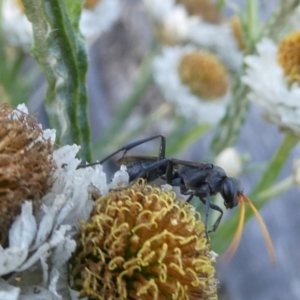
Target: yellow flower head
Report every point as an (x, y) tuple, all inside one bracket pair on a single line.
[(288, 56), (204, 74), (26, 165), (143, 242)]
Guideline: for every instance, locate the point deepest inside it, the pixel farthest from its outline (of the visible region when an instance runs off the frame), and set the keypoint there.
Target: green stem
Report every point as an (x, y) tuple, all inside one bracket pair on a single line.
[(275, 164), (229, 127)]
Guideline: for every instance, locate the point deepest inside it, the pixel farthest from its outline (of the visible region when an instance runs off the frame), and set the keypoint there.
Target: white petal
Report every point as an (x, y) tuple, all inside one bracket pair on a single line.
[(23, 230), (11, 258), (120, 177), (8, 292), (62, 253), (65, 156)]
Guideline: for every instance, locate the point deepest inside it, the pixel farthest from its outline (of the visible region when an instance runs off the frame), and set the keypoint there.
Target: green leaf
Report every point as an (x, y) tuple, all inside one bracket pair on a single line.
[(60, 50)]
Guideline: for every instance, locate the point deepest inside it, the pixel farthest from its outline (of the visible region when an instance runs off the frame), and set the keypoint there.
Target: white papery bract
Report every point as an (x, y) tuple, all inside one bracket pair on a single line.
[(269, 88), (36, 240), (187, 104)]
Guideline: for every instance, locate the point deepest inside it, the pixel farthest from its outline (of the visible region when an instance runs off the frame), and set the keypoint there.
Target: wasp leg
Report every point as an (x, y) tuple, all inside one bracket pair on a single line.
[(217, 222), (161, 153), (152, 167)]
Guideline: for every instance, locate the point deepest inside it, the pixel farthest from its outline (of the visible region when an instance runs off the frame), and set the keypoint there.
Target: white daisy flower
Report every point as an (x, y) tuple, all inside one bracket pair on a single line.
[(174, 25), (171, 20), (230, 161), (40, 245), (273, 77), (15, 25), (195, 82), (97, 17)]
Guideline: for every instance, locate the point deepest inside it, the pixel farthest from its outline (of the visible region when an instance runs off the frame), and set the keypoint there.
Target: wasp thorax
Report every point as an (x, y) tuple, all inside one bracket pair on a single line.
[(26, 165), (143, 243), (204, 74), (288, 56)]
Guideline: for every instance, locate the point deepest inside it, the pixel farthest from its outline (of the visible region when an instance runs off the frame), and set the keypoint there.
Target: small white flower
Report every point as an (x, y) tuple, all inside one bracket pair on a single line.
[(270, 89), (167, 77), (15, 25), (230, 161), (98, 19)]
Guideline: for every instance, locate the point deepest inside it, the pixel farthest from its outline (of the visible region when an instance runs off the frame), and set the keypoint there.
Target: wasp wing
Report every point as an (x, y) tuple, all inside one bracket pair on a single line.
[(131, 159)]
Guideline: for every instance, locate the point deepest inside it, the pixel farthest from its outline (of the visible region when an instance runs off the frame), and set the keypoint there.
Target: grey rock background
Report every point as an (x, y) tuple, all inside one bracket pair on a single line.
[(114, 61)]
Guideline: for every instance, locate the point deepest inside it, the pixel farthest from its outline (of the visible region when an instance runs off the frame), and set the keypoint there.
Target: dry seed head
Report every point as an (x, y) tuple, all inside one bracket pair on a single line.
[(204, 74), (288, 56), (26, 165), (206, 9), (143, 243)]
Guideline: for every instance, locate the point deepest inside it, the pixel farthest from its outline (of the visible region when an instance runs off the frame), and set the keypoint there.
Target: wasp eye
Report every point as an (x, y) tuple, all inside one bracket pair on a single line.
[(229, 192)]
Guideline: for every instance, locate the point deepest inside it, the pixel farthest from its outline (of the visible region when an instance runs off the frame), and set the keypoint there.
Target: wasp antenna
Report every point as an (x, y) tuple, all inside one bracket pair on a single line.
[(237, 236), (264, 230)]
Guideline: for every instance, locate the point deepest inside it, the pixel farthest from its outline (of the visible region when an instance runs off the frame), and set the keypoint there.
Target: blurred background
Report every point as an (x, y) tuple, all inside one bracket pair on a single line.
[(126, 103)]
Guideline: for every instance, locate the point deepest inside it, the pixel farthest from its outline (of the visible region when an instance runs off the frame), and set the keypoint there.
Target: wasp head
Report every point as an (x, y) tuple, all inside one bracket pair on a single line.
[(231, 189)]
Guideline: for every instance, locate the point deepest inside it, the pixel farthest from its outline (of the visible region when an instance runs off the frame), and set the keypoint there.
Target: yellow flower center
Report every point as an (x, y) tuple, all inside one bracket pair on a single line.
[(90, 4), (206, 9), (205, 75), (288, 56), (20, 4), (237, 31), (143, 243)]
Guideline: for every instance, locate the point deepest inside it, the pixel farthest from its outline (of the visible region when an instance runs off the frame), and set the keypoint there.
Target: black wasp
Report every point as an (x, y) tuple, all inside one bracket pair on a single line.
[(202, 180)]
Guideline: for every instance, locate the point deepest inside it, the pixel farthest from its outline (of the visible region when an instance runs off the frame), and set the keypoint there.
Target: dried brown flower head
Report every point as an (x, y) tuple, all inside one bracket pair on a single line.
[(25, 165), (143, 243)]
